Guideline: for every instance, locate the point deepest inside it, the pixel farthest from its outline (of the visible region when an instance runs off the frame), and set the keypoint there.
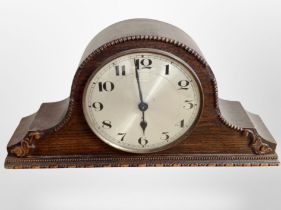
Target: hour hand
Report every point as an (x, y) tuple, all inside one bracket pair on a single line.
[(143, 125), (143, 107)]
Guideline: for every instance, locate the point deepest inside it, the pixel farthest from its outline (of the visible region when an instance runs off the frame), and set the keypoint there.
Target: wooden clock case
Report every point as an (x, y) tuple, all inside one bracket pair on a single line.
[(57, 135)]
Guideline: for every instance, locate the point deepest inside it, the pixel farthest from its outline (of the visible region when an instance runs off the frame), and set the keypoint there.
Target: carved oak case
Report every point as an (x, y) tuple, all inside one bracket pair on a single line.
[(58, 135)]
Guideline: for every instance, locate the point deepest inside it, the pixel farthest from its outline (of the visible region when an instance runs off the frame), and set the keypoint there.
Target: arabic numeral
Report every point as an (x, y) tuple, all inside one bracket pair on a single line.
[(98, 106), (180, 123), (142, 141), (122, 136), (120, 71), (106, 124), (165, 136), (106, 86), (143, 63), (183, 84), (188, 104)]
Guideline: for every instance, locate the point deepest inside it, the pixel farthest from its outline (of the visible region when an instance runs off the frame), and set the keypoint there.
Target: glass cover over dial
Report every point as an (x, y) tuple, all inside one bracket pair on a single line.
[(142, 101)]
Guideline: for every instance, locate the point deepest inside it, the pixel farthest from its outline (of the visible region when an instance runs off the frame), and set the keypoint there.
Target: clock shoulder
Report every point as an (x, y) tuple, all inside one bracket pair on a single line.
[(58, 134)]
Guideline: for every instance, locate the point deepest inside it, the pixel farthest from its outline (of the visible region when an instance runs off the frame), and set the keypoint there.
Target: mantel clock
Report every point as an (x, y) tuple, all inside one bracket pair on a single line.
[(143, 95)]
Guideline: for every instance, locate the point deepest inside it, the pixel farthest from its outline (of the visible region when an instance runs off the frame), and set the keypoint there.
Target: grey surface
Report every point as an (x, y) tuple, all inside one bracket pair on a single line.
[(240, 40), (230, 108), (136, 27)]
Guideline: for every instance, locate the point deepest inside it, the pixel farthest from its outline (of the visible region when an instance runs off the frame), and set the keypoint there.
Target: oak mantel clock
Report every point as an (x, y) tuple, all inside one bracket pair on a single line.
[(143, 95)]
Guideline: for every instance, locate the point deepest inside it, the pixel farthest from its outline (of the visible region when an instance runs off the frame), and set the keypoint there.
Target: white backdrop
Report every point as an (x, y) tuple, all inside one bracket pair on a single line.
[(40, 46)]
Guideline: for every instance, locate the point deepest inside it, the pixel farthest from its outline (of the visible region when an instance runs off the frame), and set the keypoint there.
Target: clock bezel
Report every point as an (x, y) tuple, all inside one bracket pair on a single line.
[(144, 50)]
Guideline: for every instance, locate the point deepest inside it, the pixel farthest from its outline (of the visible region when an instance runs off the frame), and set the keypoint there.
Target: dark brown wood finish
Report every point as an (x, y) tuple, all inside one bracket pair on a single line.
[(58, 135)]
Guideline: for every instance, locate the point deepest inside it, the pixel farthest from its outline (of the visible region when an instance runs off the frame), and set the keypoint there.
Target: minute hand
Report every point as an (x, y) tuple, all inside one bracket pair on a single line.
[(142, 105)]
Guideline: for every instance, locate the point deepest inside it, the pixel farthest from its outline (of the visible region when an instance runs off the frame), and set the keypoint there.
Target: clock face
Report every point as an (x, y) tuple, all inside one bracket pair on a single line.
[(142, 102)]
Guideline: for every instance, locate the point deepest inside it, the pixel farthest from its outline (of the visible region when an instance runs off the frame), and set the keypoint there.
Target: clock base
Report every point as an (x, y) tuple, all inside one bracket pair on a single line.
[(142, 161)]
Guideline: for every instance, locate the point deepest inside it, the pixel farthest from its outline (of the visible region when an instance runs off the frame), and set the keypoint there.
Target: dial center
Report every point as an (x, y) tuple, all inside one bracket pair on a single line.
[(143, 106)]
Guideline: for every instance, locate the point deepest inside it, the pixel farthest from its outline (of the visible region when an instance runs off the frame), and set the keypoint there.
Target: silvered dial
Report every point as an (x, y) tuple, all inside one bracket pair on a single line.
[(142, 102)]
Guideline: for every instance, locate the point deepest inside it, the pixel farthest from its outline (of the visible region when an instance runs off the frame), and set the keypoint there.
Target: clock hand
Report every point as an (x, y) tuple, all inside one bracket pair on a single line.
[(142, 105), (143, 123)]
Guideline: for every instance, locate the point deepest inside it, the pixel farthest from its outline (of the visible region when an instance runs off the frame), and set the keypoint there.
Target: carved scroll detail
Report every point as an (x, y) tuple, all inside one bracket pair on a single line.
[(26, 144), (257, 144)]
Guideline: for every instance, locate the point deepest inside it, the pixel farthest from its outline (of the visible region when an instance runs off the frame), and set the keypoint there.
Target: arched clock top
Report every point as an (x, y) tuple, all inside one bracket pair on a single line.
[(223, 134), (134, 34), (136, 29)]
